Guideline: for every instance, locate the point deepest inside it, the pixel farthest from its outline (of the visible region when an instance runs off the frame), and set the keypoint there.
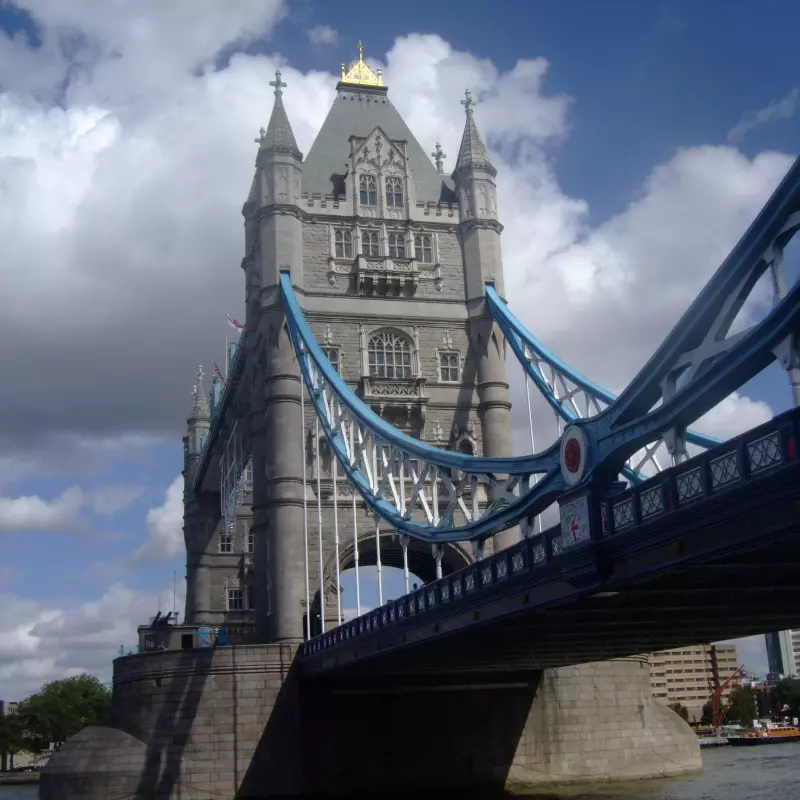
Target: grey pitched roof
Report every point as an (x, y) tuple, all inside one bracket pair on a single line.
[(357, 111), (472, 153), (279, 134)]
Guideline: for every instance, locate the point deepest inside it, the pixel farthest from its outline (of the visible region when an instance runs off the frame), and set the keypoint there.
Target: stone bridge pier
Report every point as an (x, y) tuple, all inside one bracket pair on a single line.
[(240, 722)]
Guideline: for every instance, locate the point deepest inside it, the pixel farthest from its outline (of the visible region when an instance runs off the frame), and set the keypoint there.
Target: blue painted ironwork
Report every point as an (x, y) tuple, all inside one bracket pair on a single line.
[(753, 456), (421, 490), (695, 368), (533, 355)]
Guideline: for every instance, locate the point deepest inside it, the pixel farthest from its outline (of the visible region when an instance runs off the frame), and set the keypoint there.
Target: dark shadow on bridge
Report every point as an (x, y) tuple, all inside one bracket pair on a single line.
[(167, 732), (367, 739), (373, 738), (277, 765)]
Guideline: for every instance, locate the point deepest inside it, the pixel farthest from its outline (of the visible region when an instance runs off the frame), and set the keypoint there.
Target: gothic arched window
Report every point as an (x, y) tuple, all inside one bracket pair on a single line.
[(343, 243), (394, 192), (397, 245), (389, 355), (368, 190), (423, 248), (370, 245)]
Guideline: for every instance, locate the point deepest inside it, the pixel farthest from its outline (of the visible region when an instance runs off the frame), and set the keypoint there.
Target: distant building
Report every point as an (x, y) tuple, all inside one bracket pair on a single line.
[(783, 653), (689, 675)]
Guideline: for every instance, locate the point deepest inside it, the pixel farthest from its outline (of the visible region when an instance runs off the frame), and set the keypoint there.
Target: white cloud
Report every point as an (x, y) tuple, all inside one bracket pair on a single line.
[(772, 112), (65, 512), (33, 513), (164, 527), (40, 642), (734, 415), (322, 34)]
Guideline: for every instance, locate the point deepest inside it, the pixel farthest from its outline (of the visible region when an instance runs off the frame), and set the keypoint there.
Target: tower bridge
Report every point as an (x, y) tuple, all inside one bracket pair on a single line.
[(365, 419)]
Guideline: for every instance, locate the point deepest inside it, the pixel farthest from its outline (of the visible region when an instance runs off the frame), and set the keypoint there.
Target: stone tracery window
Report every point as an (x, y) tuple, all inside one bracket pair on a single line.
[(235, 600), (389, 355), (397, 245), (224, 542), (343, 243), (394, 192), (423, 248), (368, 190), (332, 354), (449, 371), (370, 246)]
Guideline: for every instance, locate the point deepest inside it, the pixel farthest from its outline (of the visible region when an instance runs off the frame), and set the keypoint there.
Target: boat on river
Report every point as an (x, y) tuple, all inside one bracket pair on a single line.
[(772, 734)]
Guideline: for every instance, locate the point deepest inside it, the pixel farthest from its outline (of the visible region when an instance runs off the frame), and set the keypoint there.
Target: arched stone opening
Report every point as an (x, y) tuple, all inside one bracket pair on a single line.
[(421, 567)]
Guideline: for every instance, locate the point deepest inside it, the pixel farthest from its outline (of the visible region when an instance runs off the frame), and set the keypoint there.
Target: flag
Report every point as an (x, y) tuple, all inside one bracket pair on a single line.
[(237, 326), (218, 373)]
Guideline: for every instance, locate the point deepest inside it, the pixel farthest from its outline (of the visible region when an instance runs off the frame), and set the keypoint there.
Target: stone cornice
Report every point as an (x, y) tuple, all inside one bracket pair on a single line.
[(481, 224)]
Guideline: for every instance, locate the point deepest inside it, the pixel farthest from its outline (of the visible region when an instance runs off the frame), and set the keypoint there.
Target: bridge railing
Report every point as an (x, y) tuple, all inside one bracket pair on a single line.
[(751, 456)]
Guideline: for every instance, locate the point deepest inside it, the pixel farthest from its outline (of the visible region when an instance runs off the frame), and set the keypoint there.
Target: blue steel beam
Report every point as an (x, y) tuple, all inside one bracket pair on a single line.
[(734, 279), (327, 389)]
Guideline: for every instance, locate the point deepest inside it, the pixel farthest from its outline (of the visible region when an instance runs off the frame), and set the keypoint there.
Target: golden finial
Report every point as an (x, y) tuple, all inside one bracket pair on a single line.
[(360, 73)]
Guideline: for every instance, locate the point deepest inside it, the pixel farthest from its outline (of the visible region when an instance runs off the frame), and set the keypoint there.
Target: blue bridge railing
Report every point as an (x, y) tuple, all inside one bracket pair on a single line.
[(751, 456)]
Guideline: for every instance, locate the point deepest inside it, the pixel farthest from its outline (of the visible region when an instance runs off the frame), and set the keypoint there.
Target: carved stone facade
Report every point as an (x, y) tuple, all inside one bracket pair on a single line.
[(375, 239)]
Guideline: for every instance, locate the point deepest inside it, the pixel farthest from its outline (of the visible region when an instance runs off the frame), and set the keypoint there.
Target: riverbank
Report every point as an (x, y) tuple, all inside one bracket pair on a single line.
[(18, 778)]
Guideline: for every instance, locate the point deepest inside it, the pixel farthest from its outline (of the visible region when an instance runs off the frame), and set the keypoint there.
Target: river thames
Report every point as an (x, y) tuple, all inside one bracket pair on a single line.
[(760, 773)]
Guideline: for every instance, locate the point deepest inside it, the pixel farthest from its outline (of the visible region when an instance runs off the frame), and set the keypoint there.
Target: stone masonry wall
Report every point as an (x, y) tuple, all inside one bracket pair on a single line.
[(236, 722), (599, 721), (195, 724)]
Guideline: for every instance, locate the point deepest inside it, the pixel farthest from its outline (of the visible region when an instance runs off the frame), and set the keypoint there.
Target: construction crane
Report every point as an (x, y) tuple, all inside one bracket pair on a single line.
[(715, 709)]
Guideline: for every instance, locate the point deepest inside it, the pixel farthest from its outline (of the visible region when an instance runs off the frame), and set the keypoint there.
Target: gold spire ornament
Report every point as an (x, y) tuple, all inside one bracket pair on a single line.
[(360, 74)]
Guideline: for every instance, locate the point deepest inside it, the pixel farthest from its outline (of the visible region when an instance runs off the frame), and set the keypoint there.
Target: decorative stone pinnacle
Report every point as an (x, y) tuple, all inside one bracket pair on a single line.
[(468, 102), (261, 134), (438, 157), (278, 83), (200, 375)]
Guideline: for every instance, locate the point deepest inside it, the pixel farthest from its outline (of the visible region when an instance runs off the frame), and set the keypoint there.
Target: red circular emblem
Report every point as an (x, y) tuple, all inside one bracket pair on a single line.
[(572, 455)]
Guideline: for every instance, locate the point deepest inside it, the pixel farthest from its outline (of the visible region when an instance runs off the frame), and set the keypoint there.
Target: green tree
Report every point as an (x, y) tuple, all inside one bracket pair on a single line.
[(741, 706), (680, 710), (787, 693), (62, 708), (11, 739), (705, 716)]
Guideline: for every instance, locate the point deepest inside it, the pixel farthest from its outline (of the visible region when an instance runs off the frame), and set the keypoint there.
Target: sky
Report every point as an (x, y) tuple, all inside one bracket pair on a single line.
[(634, 143)]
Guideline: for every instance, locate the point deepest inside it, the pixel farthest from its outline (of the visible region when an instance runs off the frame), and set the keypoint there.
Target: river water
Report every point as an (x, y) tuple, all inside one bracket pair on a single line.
[(729, 773)]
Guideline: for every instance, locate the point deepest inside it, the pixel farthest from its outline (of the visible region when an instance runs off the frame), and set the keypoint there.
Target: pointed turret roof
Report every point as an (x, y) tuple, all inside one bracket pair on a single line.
[(472, 153), (362, 105), (200, 407), (279, 137)]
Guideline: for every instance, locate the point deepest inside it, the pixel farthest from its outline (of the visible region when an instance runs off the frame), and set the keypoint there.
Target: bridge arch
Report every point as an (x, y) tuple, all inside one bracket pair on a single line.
[(421, 567)]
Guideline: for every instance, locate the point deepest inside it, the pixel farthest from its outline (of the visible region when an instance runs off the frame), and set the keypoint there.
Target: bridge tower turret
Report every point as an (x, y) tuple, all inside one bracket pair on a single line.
[(195, 516), (479, 229), (274, 242)]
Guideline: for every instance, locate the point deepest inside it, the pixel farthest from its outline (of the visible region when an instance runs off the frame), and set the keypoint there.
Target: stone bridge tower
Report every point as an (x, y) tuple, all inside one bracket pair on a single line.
[(388, 256)]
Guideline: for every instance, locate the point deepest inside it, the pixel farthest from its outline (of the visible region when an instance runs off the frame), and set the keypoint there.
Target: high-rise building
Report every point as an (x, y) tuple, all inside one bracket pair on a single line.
[(690, 675), (783, 653)]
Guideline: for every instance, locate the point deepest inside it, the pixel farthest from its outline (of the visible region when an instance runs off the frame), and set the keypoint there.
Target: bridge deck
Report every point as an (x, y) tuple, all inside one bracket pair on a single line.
[(722, 566)]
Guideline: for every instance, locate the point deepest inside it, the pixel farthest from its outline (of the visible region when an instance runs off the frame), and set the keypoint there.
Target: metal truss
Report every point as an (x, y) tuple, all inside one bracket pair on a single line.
[(572, 396), (431, 494), (438, 495), (699, 363), (233, 471)]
